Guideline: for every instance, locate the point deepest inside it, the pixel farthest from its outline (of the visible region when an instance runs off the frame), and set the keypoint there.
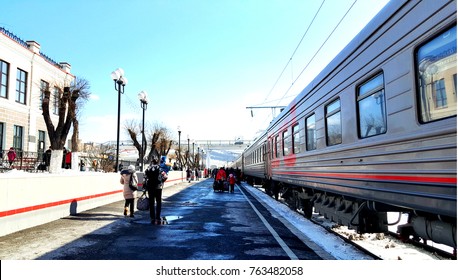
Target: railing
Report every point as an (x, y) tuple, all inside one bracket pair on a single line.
[(34, 162), (27, 161)]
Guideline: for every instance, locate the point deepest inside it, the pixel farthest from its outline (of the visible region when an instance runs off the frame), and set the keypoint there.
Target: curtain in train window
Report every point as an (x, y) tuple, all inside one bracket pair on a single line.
[(436, 77), (333, 123), (371, 107)]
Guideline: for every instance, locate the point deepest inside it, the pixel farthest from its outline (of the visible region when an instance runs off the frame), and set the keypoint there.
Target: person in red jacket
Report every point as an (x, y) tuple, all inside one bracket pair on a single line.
[(231, 180), (220, 178), (11, 156)]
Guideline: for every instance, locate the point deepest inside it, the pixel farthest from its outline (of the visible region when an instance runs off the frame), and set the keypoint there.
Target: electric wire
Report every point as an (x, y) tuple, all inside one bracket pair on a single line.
[(319, 49), (295, 50)]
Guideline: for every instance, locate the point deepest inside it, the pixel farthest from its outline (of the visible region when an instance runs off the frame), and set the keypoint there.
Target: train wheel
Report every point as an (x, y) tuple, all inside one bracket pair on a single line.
[(307, 208)]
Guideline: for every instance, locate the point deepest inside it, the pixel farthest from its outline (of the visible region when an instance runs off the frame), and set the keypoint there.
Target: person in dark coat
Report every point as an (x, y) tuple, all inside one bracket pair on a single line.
[(154, 187), (47, 157)]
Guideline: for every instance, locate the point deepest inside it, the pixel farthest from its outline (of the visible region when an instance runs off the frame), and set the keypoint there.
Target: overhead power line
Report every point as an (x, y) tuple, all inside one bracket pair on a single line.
[(294, 52), (319, 49)]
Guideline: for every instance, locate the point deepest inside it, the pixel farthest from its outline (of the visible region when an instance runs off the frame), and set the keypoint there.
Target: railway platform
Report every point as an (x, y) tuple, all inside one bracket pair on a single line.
[(202, 225)]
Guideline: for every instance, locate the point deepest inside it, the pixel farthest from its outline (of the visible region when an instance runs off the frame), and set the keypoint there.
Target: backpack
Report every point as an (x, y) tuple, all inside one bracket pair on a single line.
[(132, 185), (153, 174)]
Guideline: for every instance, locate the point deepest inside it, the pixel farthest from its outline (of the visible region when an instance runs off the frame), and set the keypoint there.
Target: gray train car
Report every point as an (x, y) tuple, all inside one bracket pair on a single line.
[(375, 131)]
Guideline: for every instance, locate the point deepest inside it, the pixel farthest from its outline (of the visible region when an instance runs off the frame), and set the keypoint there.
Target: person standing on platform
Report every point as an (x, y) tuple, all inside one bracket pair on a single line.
[(231, 180), (154, 187), (128, 192)]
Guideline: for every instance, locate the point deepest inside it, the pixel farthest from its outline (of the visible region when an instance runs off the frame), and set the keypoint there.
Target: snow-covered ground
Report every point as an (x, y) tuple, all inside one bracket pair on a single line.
[(386, 247)]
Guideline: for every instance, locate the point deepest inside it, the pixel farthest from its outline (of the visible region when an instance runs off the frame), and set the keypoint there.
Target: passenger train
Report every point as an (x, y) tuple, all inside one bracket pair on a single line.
[(375, 131)]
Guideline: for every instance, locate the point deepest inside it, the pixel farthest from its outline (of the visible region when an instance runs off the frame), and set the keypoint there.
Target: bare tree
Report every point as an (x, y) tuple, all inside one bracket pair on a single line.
[(67, 111), (160, 142), (82, 86), (159, 139)]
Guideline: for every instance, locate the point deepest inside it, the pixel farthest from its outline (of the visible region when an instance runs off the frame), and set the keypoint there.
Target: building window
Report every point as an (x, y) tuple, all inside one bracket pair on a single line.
[(55, 103), (2, 146), (17, 137), (4, 67), (310, 133), (371, 107), (43, 86), (21, 86), (333, 123), (436, 77), (441, 95), (286, 143), (296, 139)]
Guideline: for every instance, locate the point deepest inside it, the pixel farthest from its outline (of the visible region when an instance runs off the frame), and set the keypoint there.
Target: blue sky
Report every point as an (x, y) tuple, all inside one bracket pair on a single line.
[(202, 62)]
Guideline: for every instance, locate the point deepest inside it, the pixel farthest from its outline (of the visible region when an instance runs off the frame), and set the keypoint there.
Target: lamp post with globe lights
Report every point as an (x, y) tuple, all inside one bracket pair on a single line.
[(120, 81), (143, 96)]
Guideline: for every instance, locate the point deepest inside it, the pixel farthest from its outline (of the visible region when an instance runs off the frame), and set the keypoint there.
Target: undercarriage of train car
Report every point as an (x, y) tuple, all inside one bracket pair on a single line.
[(364, 216)]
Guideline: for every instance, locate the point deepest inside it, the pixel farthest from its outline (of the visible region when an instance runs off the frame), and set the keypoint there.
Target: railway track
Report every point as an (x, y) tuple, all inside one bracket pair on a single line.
[(380, 246)]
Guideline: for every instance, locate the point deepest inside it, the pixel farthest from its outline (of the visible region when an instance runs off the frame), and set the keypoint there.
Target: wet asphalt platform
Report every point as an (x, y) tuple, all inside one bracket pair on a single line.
[(202, 225)]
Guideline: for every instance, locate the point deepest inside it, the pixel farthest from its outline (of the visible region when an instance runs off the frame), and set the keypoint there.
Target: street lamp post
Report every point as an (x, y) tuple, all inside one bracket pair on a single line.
[(179, 153), (120, 81), (188, 152), (193, 157), (143, 96), (179, 148)]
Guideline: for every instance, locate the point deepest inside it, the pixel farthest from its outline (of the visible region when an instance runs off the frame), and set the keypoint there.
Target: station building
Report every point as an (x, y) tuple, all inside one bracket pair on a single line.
[(24, 74)]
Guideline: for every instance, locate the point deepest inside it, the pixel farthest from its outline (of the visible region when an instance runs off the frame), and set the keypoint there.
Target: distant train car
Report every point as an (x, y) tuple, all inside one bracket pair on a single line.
[(375, 131)]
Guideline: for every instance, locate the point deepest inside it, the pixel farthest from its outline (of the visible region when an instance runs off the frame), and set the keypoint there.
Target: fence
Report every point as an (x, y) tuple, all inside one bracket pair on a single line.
[(27, 161), (34, 162)]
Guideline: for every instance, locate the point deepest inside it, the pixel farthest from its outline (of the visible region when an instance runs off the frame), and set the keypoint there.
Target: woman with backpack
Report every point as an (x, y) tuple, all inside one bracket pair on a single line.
[(154, 187)]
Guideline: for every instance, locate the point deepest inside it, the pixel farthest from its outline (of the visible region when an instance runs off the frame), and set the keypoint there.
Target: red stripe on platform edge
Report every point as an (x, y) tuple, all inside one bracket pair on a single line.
[(52, 204)]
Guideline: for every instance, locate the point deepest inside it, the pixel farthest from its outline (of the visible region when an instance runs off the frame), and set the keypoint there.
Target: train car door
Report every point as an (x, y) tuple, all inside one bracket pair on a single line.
[(268, 158)]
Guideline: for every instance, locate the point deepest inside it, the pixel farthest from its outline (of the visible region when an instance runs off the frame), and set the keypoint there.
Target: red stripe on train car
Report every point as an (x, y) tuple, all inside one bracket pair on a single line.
[(416, 179)]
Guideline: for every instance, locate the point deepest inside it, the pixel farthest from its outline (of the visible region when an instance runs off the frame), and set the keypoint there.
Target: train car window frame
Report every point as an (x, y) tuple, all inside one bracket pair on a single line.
[(272, 148), (435, 63), (296, 138), (333, 123), (372, 119), (310, 133), (286, 142), (277, 144)]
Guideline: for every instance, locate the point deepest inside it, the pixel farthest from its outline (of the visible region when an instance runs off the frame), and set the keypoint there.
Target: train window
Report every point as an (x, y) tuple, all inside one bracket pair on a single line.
[(310, 133), (371, 107), (436, 77), (277, 146), (286, 143), (296, 139), (333, 123), (272, 148)]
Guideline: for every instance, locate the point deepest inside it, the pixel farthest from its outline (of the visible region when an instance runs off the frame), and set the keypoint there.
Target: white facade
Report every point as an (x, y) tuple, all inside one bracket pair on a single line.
[(24, 71)]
